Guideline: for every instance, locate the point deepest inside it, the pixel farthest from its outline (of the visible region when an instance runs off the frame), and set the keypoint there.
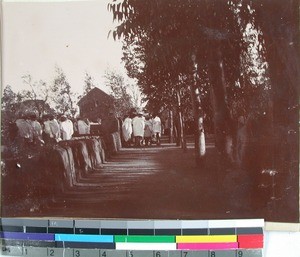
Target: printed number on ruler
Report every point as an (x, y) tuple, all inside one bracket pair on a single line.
[(76, 253), (239, 253)]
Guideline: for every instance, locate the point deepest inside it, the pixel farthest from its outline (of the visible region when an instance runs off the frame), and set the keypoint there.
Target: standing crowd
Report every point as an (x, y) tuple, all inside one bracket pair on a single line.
[(28, 131), (136, 129), (139, 130)]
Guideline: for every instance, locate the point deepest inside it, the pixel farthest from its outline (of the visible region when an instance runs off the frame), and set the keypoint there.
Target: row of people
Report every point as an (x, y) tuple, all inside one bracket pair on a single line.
[(51, 130), (65, 128), (141, 128), (30, 131)]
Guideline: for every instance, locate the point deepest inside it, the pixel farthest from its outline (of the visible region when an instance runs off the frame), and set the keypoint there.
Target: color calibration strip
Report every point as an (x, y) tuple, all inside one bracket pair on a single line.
[(104, 238)]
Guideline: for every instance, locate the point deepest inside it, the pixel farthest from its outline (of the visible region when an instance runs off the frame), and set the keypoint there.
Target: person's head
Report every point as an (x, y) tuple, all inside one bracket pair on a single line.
[(51, 117), (32, 116), (21, 115), (46, 117), (63, 118), (27, 116)]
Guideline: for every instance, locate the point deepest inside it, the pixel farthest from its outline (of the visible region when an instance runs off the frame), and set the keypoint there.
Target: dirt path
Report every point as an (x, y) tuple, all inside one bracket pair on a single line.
[(162, 183), (155, 182)]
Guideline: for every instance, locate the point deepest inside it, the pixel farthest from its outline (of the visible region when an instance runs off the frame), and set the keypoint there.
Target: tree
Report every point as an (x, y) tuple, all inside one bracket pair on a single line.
[(160, 77), (62, 96), (38, 93), (36, 99), (8, 112), (118, 87), (16, 105), (207, 41), (168, 44), (9, 98), (88, 83), (279, 23)]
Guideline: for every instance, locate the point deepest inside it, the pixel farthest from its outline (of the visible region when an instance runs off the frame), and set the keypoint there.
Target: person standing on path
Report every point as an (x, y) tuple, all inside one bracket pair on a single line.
[(138, 125), (157, 128), (25, 131), (66, 128), (37, 129), (148, 131), (51, 129), (83, 126), (127, 130)]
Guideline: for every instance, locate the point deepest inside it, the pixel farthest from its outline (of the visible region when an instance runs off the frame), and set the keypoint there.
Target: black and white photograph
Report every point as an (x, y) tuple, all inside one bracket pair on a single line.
[(150, 109)]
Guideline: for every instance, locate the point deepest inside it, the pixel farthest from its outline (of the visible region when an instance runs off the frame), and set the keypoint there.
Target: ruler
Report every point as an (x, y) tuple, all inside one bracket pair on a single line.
[(131, 238), (68, 252)]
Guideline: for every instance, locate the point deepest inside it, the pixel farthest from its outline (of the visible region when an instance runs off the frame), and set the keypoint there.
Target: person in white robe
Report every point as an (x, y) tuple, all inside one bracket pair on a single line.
[(83, 127), (66, 128), (138, 125), (25, 130), (127, 130), (156, 123), (54, 127)]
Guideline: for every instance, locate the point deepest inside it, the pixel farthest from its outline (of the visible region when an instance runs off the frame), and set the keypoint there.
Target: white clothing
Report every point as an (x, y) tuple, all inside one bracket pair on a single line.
[(25, 129), (37, 130), (127, 129), (67, 129), (54, 128), (138, 125), (47, 128), (156, 125), (148, 128), (83, 127)]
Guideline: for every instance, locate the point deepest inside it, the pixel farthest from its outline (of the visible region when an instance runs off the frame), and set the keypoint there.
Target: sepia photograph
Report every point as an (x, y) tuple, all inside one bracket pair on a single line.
[(150, 109)]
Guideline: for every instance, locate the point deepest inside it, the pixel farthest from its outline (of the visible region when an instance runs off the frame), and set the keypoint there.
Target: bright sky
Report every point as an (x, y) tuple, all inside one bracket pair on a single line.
[(39, 35)]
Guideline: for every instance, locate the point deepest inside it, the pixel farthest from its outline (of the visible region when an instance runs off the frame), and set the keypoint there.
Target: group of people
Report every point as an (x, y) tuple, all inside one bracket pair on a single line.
[(49, 130), (136, 129), (139, 129), (28, 130)]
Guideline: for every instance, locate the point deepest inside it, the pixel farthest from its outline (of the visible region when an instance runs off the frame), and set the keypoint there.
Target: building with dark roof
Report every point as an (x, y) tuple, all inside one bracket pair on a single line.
[(96, 104)]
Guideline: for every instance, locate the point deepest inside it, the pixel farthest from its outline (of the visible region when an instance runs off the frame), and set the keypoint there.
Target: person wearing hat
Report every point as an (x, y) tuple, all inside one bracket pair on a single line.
[(66, 128), (138, 125)]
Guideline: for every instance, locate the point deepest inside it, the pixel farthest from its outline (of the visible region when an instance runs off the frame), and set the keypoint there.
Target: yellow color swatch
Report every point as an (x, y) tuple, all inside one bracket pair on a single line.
[(207, 239)]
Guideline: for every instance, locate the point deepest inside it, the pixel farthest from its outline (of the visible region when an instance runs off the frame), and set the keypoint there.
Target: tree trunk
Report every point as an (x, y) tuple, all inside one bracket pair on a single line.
[(171, 131), (222, 118), (199, 135), (176, 131), (181, 136)]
